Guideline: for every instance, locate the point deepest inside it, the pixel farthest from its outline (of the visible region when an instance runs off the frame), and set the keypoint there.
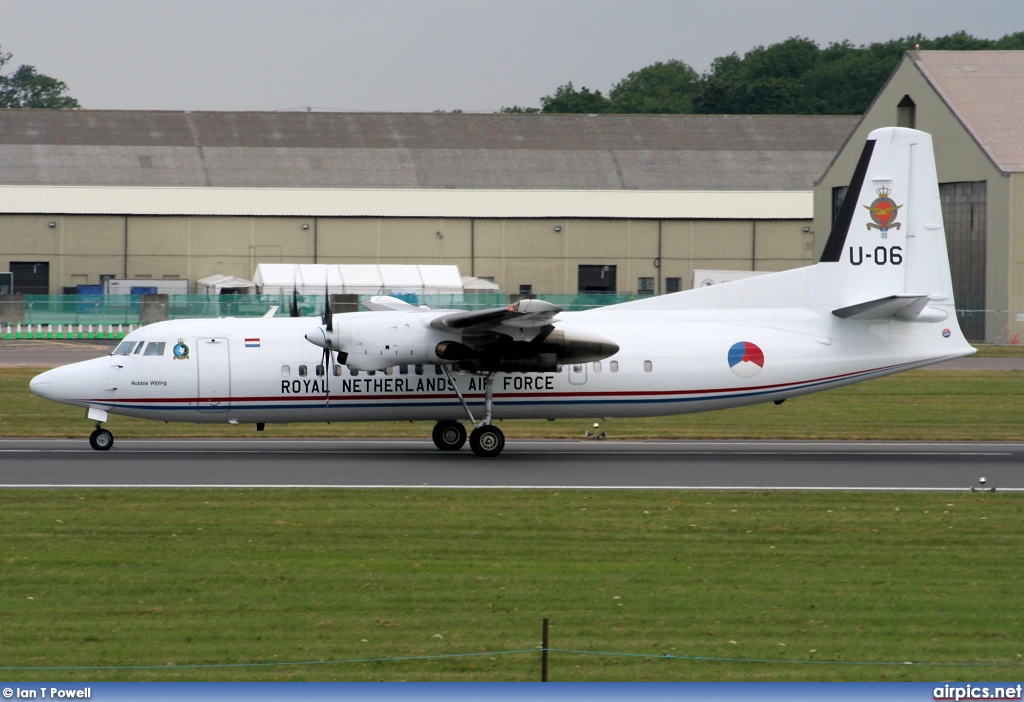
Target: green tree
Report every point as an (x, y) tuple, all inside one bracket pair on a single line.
[(568, 99), (661, 88), (795, 76), (798, 77), (26, 87)]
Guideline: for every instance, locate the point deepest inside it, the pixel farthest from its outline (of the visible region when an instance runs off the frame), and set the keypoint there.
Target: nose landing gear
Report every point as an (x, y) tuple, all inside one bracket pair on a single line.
[(101, 439)]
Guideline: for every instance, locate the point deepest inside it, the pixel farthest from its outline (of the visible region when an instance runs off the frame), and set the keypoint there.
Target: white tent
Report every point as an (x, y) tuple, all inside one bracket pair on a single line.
[(479, 285), (216, 284), (368, 279)]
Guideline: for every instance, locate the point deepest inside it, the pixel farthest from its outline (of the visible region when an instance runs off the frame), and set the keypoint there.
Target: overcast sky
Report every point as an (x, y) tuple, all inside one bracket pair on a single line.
[(422, 55)]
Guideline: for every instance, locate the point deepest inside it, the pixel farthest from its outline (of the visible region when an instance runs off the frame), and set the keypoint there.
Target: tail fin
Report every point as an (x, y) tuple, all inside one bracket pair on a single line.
[(886, 253)]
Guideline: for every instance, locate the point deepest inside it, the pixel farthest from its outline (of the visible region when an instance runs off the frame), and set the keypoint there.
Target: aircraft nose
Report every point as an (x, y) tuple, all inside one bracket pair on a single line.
[(42, 384)]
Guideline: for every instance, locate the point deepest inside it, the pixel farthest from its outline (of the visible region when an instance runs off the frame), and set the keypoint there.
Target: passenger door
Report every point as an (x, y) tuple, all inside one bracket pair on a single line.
[(214, 373)]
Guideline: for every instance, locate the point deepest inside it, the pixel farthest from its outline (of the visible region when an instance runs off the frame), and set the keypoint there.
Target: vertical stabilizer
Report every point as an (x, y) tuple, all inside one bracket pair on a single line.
[(888, 238)]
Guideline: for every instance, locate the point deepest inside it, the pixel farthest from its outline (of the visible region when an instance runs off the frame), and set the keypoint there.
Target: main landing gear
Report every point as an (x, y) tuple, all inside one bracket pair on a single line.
[(486, 440), (449, 435)]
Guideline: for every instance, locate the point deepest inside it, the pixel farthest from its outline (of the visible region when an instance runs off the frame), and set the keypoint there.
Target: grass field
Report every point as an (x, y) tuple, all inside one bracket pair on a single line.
[(927, 405), (156, 577), (837, 580)]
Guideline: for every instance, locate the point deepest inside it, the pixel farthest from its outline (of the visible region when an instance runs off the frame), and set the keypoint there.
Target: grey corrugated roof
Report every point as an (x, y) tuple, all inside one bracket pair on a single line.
[(985, 89), (405, 150)]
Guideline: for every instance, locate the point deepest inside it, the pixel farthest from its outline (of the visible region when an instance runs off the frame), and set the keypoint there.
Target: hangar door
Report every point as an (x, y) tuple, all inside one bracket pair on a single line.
[(214, 373), (964, 213), (31, 278)]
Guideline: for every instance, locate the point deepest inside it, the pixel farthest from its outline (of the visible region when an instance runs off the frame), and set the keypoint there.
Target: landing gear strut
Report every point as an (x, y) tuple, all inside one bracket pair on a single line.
[(449, 435), (101, 439), (486, 440)]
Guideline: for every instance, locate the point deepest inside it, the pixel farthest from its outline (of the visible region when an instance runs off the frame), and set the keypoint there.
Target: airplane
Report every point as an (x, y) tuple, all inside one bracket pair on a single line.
[(879, 301)]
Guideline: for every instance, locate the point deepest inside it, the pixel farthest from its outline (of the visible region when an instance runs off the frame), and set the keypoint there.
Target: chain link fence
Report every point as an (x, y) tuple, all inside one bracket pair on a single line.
[(77, 314)]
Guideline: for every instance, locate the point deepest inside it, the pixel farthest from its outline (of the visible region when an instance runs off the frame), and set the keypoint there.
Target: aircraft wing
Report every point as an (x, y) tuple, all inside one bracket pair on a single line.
[(524, 314)]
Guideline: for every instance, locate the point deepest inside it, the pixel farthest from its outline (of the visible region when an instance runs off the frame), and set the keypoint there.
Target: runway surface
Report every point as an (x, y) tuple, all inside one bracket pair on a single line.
[(524, 464)]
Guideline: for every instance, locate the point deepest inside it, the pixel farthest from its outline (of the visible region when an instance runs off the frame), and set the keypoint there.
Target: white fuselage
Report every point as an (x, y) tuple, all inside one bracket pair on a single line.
[(669, 362)]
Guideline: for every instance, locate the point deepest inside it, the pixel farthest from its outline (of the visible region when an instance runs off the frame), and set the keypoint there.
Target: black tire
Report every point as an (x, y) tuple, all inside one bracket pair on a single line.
[(487, 441), (101, 440), (449, 435)]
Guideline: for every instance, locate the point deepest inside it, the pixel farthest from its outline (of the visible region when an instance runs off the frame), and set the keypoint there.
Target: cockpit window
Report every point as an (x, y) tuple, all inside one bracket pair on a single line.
[(155, 348), (124, 348)]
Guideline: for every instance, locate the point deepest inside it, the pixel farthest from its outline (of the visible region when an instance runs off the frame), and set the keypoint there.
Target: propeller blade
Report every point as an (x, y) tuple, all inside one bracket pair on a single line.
[(328, 370), (293, 311), (328, 316)]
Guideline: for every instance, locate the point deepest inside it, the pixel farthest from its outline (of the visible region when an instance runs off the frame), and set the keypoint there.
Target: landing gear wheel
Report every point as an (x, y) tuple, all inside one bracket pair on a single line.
[(449, 435), (101, 440), (487, 441)]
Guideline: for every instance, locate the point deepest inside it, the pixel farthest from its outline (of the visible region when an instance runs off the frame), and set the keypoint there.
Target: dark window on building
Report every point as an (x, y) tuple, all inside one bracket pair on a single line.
[(645, 286), (525, 289), (906, 113), (837, 200), (673, 285), (964, 216), (597, 279), (31, 278)]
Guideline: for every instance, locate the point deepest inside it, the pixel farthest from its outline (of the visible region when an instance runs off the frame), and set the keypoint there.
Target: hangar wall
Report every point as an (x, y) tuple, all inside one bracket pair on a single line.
[(542, 253)]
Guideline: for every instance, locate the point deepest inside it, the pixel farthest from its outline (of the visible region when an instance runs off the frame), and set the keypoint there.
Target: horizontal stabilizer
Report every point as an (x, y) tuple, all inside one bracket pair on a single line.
[(913, 308)]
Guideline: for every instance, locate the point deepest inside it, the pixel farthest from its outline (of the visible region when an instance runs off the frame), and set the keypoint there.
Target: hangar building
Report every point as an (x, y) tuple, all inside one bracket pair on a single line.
[(542, 203), (972, 103)]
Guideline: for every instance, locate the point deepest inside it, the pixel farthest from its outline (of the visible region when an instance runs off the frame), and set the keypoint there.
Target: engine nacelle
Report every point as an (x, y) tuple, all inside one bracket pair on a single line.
[(379, 340)]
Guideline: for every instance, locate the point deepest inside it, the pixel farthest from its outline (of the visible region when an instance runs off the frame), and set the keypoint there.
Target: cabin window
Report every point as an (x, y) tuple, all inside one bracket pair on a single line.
[(390, 370), (648, 366), (613, 366), (353, 371), (338, 370), (303, 371), (373, 372), (419, 369), (438, 370), (320, 370), (403, 370), (124, 348), (155, 348), (286, 371), (597, 366), (577, 368)]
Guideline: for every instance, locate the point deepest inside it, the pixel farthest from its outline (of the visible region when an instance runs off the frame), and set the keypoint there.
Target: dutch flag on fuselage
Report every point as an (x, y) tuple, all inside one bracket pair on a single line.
[(252, 343)]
